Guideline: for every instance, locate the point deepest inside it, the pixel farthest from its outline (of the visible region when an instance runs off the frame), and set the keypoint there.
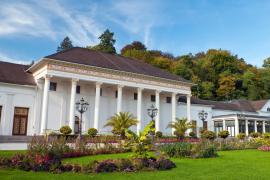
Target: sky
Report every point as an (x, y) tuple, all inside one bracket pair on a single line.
[(32, 29)]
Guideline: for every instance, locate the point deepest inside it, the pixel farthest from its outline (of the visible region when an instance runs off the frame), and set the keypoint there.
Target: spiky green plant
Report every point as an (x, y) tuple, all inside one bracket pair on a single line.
[(180, 126), (121, 122)]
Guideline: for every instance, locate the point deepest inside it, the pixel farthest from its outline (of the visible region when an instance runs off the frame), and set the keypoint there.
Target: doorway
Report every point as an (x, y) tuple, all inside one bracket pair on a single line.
[(20, 121)]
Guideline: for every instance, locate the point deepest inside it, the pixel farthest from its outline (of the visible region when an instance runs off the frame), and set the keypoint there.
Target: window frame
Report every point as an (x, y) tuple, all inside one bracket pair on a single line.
[(135, 96), (168, 99), (53, 86), (78, 89), (153, 98)]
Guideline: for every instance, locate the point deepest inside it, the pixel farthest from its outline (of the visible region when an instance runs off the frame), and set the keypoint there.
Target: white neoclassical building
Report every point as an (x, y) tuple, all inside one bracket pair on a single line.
[(41, 98)]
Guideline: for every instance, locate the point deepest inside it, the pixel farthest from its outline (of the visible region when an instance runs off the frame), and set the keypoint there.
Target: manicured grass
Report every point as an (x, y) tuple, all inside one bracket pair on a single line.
[(244, 164), (10, 153)]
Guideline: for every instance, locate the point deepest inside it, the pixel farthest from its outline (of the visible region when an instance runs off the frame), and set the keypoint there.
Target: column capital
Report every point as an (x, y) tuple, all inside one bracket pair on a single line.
[(158, 91), (47, 76), (74, 80), (120, 86), (174, 93), (98, 84), (140, 89), (189, 95)]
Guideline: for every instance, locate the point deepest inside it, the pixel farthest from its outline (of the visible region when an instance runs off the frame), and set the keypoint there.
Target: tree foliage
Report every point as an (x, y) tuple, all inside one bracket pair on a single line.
[(106, 42), (65, 44), (180, 126), (218, 74)]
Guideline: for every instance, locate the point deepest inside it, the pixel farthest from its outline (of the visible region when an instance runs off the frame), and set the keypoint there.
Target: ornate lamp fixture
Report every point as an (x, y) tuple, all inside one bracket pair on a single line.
[(152, 112), (203, 115), (81, 107)]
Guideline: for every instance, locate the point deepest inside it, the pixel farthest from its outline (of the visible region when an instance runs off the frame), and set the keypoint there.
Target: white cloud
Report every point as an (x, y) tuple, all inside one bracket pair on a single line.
[(21, 18), (8, 58), (50, 19)]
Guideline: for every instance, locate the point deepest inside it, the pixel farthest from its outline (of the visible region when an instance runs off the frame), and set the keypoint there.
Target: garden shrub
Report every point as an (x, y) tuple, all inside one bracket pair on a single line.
[(204, 150), (66, 130), (181, 149), (106, 166), (223, 134), (266, 135), (125, 165), (208, 135), (192, 134), (241, 136), (92, 132), (255, 134), (164, 164), (159, 134), (76, 168)]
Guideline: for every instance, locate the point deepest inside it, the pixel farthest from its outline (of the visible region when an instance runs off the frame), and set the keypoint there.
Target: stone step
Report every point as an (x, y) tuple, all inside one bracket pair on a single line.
[(15, 139)]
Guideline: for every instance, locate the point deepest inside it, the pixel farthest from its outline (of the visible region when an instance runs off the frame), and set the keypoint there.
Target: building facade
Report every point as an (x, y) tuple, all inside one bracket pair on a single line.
[(40, 99)]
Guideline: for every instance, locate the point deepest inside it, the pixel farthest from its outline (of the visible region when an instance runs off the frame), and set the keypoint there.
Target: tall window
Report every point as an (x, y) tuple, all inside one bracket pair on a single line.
[(53, 86), (116, 94), (100, 91), (251, 126), (218, 126), (242, 126), (153, 98), (260, 126), (0, 113), (20, 121), (267, 126), (169, 100), (78, 89), (230, 124), (135, 96)]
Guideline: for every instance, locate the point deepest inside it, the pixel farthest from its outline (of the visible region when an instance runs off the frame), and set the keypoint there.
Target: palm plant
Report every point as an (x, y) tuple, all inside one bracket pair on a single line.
[(121, 122), (181, 125)]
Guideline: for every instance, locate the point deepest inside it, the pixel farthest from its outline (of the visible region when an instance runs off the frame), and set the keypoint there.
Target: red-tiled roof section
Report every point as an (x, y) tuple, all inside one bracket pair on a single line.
[(15, 74), (115, 62), (235, 105)]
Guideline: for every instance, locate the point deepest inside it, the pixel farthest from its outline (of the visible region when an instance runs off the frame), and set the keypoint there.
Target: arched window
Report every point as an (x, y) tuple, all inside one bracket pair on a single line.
[(268, 109), (76, 127)]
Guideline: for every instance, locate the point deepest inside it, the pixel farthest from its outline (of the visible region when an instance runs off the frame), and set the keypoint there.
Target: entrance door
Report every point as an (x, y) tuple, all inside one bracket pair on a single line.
[(20, 121)]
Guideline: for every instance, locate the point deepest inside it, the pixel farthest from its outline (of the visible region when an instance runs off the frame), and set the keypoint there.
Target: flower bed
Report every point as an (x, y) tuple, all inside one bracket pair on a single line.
[(264, 148), (51, 164), (175, 140)]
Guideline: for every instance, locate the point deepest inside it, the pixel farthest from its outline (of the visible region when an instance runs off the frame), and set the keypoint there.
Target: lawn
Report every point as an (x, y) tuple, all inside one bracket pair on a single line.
[(244, 164)]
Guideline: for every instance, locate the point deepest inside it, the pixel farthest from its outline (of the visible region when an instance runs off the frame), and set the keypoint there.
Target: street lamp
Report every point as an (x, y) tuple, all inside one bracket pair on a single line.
[(203, 116), (81, 107), (152, 112)]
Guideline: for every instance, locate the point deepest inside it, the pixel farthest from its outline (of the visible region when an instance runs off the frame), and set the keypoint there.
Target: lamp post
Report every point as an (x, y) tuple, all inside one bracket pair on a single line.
[(81, 107), (152, 112), (203, 116)]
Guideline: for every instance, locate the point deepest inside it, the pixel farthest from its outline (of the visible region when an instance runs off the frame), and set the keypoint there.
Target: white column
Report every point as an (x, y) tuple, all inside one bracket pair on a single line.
[(247, 133), (157, 119), (44, 111), (72, 104), (97, 102), (255, 125), (263, 126), (236, 125), (224, 124), (119, 98), (188, 112), (173, 109), (139, 109), (188, 108)]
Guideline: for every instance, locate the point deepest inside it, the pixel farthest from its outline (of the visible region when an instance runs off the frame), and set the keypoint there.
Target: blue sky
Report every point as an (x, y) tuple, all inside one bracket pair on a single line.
[(32, 29)]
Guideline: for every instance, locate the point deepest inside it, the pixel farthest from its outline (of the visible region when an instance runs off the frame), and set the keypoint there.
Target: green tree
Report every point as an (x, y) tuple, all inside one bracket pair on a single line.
[(180, 126), (266, 63), (106, 42), (121, 122), (65, 44), (137, 45), (226, 87)]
